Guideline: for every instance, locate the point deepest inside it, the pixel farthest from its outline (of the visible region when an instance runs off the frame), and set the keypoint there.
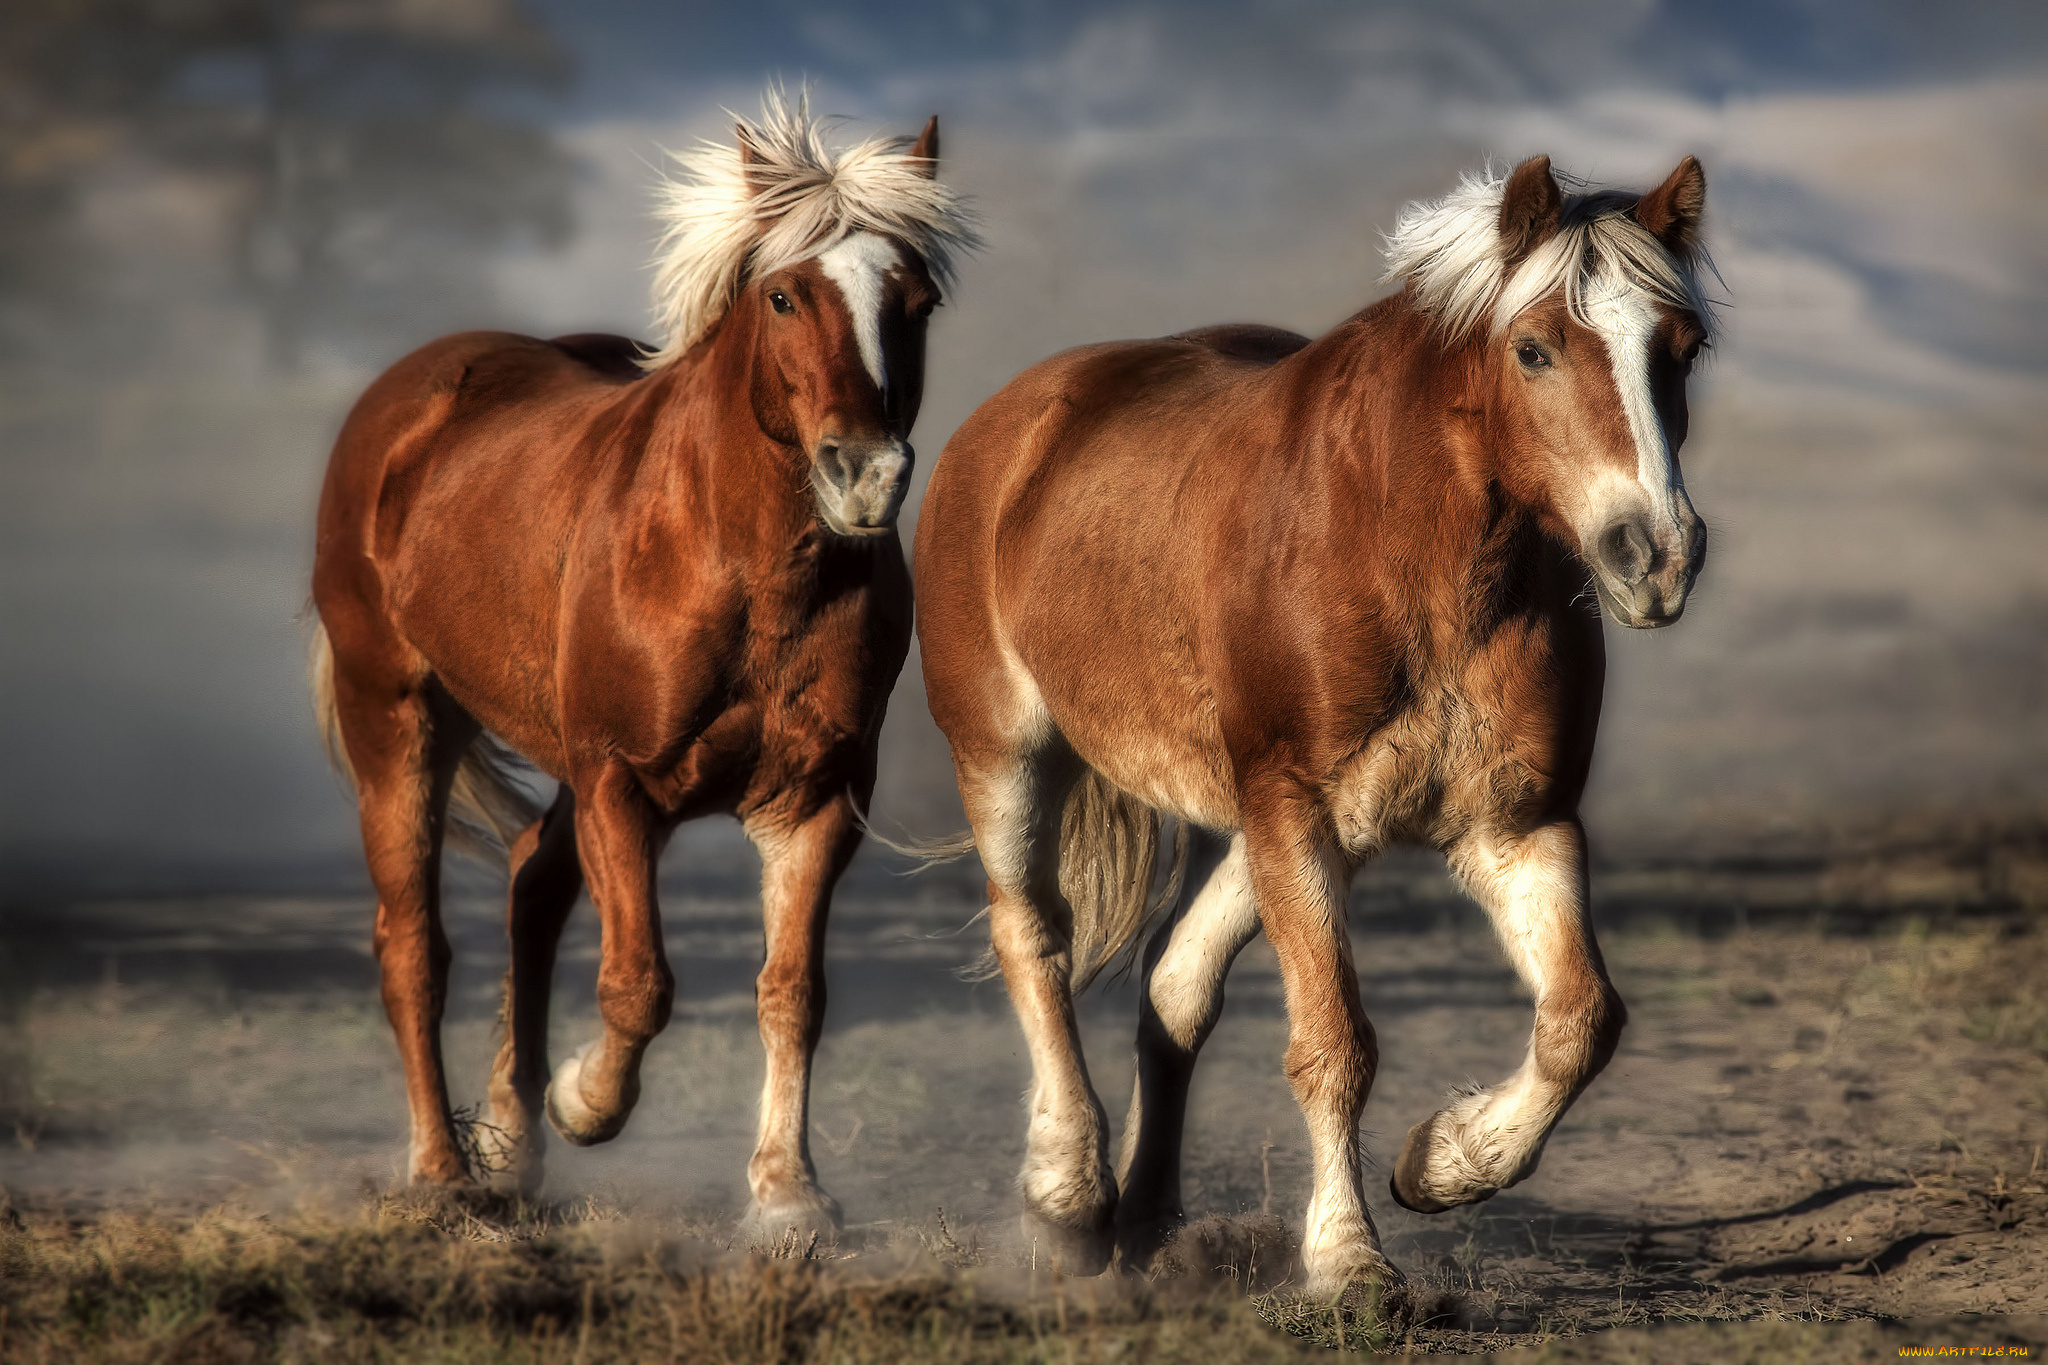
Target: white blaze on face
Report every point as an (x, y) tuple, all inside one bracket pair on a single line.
[(1626, 321), (859, 264)]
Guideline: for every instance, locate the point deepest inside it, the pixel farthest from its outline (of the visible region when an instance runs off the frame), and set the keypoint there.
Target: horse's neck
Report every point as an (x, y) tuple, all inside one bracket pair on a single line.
[(1413, 456), (706, 456)]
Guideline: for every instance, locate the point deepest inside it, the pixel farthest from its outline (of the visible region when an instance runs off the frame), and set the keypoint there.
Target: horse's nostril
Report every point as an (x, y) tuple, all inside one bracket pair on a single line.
[(830, 458), (1627, 551)]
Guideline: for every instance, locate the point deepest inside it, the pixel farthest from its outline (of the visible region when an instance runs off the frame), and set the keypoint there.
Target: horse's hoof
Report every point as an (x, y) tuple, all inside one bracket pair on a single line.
[(1410, 1183), (1411, 1171), (510, 1153), (1361, 1276), (1372, 1305), (436, 1166), (1077, 1251), (576, 1121), (440, 1176), (515, 1168), (1139, 1236), (792, 1225)]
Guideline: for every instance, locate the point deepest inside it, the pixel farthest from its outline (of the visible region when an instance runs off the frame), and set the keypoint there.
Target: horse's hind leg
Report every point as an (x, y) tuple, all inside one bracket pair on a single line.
[(1015, 803), (1185, 964), (802, 856), (405, 739), (1533, 887), (546, 877), (1299, 878)]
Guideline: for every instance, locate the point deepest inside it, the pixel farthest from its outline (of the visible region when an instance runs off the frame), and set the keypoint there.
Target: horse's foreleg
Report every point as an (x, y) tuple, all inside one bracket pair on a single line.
[(1185, 964), (1069, 1190), (1534, 889), (1299, 880), (800, 862), (546, 877), (616, 835)]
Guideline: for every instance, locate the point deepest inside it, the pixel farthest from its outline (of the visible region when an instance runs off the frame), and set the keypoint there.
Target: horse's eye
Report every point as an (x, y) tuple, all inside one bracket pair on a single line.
[(781, 302), (1692, 352), (1532, 357)]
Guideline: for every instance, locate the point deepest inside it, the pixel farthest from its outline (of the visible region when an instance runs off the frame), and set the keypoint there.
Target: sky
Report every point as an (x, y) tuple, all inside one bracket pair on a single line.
[(1870, 640)]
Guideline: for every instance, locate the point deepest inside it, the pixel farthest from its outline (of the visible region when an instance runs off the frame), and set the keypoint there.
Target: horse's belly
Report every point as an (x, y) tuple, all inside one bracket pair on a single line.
[(1172, 763)]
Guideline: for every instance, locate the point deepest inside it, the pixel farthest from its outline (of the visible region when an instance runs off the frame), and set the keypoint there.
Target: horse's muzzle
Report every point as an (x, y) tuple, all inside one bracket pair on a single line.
[(860, 484), (1643, 574)]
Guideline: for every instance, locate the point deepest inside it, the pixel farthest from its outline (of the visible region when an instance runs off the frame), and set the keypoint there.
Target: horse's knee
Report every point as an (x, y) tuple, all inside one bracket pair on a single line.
[(1333, 1060), (1576, 1038), (636, 1004)]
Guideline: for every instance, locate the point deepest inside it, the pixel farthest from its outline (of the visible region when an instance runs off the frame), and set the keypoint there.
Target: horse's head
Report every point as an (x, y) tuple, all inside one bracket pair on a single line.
[(815, 271), (838, 368), (1583, 317), (1589, 377)]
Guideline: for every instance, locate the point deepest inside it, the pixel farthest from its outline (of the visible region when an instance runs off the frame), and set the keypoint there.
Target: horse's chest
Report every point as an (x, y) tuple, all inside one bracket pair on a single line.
[(1440, 766), (792, 711)]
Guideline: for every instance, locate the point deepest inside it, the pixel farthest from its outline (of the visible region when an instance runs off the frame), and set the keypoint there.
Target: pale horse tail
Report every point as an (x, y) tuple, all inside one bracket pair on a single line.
[(1109, 858), (488, 805)]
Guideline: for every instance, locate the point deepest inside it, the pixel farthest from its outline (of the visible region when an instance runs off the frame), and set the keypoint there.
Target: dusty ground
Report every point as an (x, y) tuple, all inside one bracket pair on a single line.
[(1815, 1119)]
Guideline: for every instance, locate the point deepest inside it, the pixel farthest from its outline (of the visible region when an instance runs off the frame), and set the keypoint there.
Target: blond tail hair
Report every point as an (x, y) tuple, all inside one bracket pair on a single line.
[(1109, 852), (488, 805)]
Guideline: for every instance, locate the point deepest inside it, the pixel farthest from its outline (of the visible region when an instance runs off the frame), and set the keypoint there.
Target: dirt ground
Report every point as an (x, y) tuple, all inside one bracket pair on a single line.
[(1815, 1119)]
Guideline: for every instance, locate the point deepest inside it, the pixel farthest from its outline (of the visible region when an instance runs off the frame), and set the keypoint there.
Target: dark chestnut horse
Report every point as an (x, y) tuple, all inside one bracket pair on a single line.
[(1315, 598), (673, 585)]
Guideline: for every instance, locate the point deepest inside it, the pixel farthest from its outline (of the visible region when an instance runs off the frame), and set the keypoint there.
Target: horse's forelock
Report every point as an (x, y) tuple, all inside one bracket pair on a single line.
[(1451, 253), (737, 214)]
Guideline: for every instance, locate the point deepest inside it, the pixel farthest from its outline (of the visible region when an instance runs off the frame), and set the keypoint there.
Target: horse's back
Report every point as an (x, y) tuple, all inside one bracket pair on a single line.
[(1189, 377), (614, 357), (451, 467), (1247, 341), (472, 397)]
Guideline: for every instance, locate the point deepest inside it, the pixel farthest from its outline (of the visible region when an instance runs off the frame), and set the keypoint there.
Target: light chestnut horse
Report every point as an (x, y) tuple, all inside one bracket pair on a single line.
[(673, 584), (1315, 598)]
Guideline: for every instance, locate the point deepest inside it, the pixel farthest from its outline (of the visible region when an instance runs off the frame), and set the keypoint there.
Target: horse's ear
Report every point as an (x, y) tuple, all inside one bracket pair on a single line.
[(1529, 210), (1671, 212), (926, 149)]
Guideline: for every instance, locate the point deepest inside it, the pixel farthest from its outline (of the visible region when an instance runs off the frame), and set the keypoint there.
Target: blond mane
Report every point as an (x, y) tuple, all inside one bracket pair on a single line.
[(1451, 254), (726, 219)]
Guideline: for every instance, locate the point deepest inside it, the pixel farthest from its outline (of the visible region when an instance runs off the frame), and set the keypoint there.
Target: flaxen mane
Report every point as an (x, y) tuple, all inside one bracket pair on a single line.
[(1451, 253), (731, 216)]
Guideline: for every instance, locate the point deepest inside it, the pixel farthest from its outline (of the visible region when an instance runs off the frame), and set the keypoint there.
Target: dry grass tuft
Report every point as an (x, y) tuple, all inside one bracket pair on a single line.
[(1255, 1252), (430, 1277)]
